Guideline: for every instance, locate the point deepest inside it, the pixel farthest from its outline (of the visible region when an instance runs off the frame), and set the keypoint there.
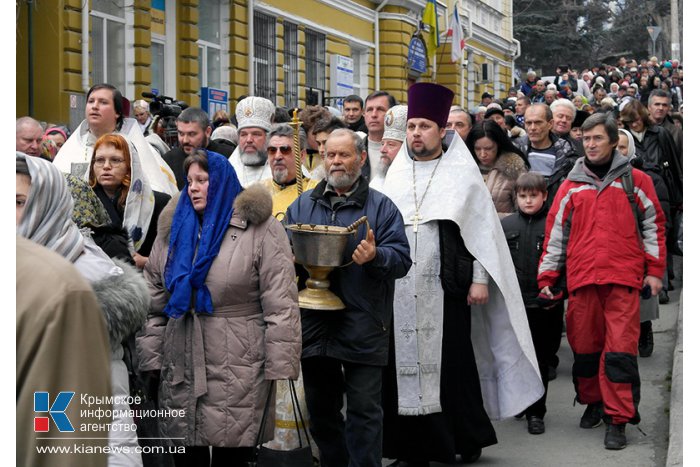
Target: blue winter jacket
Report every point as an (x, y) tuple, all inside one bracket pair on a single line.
[(360, 333)]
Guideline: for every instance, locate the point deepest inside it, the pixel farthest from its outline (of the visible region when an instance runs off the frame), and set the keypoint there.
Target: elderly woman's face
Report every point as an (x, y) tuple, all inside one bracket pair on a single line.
[(198, 187), (57, 138), (23, 185), (141, 114), (623, 144), (100, 111), (110, 167)]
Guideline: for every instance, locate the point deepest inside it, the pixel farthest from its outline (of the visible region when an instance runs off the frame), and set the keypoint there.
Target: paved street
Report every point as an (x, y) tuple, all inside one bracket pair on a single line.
[(565, 444)]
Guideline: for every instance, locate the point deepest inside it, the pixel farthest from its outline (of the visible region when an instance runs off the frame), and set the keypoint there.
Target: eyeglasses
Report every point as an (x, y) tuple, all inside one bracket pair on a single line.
[(113, 162), (285, 150)]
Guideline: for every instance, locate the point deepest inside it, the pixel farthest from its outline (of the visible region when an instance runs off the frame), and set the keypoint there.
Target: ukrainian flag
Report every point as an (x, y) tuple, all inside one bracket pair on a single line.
[(430, 19)]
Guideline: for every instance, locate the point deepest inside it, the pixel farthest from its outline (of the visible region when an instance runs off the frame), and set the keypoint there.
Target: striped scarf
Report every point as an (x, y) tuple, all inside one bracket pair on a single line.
[(47, 214)]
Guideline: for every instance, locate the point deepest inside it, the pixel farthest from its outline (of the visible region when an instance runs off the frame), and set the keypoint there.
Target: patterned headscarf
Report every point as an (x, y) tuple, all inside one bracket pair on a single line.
[(47, 214), (88, 210)]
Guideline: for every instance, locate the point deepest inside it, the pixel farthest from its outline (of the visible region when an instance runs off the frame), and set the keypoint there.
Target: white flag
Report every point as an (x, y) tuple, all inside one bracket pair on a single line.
[(455, 32)]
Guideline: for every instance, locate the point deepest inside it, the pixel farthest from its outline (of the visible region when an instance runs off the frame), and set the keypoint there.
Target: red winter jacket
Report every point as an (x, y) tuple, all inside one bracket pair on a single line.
[(591, 229)]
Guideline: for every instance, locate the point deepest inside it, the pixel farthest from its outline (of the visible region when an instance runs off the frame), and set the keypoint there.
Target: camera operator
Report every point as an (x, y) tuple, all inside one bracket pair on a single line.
[(193, 132)]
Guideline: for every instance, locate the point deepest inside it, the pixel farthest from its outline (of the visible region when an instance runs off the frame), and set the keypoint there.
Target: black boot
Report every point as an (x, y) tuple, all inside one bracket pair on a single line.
[(663, 297), (615, 437), (646, 339)]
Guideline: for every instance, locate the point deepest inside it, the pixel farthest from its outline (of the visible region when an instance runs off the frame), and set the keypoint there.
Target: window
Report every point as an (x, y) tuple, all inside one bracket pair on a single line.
[(108, 38), (291, 65), (360, 72), (265, 56), (212, 21), (158, 65), (315, 60), (485, 75)]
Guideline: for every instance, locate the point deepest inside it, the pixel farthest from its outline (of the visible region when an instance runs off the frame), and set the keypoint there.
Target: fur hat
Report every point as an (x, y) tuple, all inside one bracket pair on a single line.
[(256, 112), (395, 123)]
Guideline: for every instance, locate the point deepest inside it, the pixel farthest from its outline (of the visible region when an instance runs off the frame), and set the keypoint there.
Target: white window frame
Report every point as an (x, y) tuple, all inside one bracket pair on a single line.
[(160, 39), (360, 59), (170, 78), (222, 47), (129, 54)]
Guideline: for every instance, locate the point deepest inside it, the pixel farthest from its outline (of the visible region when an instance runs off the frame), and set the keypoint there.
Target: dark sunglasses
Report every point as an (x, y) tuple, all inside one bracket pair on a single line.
[(285, 150)]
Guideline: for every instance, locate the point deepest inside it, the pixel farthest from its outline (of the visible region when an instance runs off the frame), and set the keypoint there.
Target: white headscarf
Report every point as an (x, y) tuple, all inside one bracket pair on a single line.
[(631, 149)]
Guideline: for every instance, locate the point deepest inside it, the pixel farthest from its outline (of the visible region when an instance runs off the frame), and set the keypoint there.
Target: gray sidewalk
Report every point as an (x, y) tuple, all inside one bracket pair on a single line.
[(675, 443)]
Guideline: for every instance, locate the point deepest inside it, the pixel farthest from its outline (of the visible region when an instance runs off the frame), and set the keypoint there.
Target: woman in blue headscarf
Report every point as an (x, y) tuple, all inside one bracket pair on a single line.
[(224, 317)]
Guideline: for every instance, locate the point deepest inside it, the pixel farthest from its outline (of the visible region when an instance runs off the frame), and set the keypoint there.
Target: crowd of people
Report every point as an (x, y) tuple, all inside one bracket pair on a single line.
[(485, 228)]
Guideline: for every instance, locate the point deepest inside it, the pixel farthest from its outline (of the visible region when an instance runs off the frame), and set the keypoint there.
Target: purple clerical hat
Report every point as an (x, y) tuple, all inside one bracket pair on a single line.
[(431, 101)]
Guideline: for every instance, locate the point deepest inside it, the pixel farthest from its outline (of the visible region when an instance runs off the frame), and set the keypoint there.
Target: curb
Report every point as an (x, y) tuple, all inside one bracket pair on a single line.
[(674, 456)]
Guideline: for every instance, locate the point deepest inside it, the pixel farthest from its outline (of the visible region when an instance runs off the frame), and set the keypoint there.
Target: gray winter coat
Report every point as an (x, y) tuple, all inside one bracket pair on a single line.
[(216, 368)]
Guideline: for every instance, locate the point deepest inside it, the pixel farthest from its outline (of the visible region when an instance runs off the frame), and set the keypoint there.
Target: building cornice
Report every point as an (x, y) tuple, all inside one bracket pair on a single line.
[(404, 17), (352, 8), (265, 8)]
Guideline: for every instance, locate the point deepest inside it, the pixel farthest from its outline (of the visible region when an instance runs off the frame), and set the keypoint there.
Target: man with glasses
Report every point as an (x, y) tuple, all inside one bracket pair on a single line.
[(343, 352), (280, 158)]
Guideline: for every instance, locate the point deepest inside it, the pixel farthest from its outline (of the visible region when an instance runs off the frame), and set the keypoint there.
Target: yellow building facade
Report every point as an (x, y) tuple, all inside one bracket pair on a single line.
[(292, 52)]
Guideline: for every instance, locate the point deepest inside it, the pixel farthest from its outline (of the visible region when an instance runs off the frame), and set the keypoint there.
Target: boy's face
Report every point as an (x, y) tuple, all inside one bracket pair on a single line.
[(529, 202)]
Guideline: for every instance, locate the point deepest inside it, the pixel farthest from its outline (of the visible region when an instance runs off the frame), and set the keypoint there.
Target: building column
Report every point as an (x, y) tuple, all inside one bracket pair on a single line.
[(187, 52)]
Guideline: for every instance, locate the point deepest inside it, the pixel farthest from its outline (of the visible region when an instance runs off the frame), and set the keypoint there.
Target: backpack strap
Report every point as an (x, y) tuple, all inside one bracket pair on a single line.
[(628, 186)]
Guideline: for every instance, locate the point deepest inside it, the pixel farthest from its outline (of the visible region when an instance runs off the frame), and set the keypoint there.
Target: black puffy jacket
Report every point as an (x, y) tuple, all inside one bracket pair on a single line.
[(525, 237)]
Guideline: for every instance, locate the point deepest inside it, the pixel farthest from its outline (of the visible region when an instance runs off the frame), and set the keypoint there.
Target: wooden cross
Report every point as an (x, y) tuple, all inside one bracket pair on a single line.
[(415, 218)]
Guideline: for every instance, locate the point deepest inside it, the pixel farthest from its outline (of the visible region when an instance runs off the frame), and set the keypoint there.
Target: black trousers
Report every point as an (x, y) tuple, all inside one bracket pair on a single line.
[(545, 326), (354, 441)]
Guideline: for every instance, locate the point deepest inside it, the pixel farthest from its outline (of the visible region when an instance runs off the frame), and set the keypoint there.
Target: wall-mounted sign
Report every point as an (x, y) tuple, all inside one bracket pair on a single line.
[(417, 57), (342, 72), (214, 100)]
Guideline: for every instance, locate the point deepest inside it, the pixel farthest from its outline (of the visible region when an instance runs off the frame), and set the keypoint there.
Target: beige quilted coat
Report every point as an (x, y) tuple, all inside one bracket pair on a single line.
[(217, 368)]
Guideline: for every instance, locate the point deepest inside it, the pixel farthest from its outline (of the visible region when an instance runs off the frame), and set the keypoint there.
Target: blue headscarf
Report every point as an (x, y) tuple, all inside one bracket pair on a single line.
[(185, 274)]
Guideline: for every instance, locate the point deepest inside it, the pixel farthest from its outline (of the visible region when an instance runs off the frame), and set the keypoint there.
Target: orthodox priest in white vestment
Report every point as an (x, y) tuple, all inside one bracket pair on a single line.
[(463, 353)]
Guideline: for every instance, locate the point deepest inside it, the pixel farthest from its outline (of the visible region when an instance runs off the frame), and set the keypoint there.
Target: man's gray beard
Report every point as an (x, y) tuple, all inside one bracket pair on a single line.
[(383, 166), (344, 181), (256, 159), (280, 175)]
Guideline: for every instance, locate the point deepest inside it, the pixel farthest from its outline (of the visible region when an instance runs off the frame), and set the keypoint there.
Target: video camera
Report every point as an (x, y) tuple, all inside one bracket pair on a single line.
[(166, 109)]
